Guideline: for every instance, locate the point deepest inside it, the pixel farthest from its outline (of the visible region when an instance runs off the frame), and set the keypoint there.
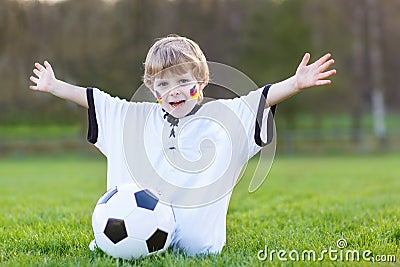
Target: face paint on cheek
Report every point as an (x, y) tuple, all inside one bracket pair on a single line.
[(193, 92), (158, 97)]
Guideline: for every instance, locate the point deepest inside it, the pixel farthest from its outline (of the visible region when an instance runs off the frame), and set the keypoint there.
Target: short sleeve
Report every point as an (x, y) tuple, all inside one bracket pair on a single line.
[(264, 124), (256, 119), (105, 118)]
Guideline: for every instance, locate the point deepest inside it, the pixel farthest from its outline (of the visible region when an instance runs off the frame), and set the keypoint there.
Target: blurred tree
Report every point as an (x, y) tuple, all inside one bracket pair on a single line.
[(390, 19), (329, 25), (359, 66), (376, 64), (102, 43), (275, 37)]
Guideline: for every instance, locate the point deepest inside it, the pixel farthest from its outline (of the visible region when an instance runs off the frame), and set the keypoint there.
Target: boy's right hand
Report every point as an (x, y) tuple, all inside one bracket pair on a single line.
[(45, 78), (46, 81)]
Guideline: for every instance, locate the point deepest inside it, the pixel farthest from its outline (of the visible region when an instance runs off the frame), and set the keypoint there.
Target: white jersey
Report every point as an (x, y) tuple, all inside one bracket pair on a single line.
[(193, 162)]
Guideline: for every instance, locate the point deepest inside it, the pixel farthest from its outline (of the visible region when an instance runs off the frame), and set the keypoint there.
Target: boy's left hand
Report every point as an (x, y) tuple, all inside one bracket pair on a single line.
[(314, 74)]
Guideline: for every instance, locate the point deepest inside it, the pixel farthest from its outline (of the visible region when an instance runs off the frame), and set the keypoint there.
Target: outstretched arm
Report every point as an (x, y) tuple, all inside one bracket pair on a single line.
[(306, 76), (46, 81)]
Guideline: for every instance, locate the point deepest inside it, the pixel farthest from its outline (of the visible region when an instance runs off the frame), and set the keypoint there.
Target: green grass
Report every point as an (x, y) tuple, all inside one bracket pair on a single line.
[(39, 131), (306, 203)]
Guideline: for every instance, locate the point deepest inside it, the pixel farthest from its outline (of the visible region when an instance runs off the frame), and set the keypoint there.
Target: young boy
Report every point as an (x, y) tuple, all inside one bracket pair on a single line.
[(165, 145)]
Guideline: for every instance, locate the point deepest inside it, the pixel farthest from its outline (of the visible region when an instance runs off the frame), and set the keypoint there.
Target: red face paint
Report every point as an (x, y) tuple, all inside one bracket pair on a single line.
[(193, 92), (158, 97)]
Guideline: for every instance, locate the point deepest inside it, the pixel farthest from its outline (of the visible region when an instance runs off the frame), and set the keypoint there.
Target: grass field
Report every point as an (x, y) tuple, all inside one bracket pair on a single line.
[(306, 203)]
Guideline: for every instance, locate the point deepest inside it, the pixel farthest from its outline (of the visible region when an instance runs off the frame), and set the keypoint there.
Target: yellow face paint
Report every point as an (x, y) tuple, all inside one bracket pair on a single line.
[(158, 97), (194, 93)]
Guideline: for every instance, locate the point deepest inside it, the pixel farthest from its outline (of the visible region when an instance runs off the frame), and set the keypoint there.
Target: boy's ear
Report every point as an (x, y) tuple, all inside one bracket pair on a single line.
[(202, 85)]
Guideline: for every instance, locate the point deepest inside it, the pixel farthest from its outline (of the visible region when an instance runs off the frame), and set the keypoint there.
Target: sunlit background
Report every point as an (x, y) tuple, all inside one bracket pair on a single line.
[(104, 44)]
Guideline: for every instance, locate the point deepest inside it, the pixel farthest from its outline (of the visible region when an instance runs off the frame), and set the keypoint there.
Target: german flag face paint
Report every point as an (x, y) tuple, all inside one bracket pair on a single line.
[(159, 99), (194, 93)]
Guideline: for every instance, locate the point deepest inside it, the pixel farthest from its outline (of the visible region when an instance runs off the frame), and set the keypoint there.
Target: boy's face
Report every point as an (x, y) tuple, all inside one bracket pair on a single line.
[(177, 94)]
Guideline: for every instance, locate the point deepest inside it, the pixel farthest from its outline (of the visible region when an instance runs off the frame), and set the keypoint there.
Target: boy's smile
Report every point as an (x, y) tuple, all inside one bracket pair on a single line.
[(177, 94), (176, 104)]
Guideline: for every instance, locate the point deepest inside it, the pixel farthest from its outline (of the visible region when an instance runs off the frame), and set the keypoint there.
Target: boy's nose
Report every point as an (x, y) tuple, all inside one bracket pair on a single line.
[(174, 92)]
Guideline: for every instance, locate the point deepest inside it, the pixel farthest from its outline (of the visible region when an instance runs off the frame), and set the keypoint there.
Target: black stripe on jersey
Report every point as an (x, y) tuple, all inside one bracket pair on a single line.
[(93, 129), (259, 118)]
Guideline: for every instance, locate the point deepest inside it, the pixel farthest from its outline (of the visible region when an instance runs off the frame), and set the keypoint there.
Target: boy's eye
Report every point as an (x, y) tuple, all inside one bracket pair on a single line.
[(183, 81), (162, 84)]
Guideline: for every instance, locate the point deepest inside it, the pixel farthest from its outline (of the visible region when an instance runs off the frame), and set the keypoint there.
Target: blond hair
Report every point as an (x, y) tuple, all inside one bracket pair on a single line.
[(180, 53)]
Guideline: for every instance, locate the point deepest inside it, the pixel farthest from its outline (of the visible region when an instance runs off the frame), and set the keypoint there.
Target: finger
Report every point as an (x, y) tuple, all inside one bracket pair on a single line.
[(323, 82), (34, 79), (38, 73), (33, 87), (327, 74), (47, 65), (39, 67), (323, 59), (305, 60), (326, 65)]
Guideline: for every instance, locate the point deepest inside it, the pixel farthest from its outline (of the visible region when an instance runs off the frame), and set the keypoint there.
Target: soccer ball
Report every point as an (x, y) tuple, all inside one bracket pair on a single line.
[(129, 222)]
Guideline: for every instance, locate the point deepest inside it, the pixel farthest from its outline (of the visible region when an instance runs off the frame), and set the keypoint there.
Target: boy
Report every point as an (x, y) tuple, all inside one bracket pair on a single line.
[(166, 146)]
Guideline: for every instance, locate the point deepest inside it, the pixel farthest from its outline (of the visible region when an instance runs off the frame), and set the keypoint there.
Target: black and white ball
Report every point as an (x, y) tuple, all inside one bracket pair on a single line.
[(129, 222)]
